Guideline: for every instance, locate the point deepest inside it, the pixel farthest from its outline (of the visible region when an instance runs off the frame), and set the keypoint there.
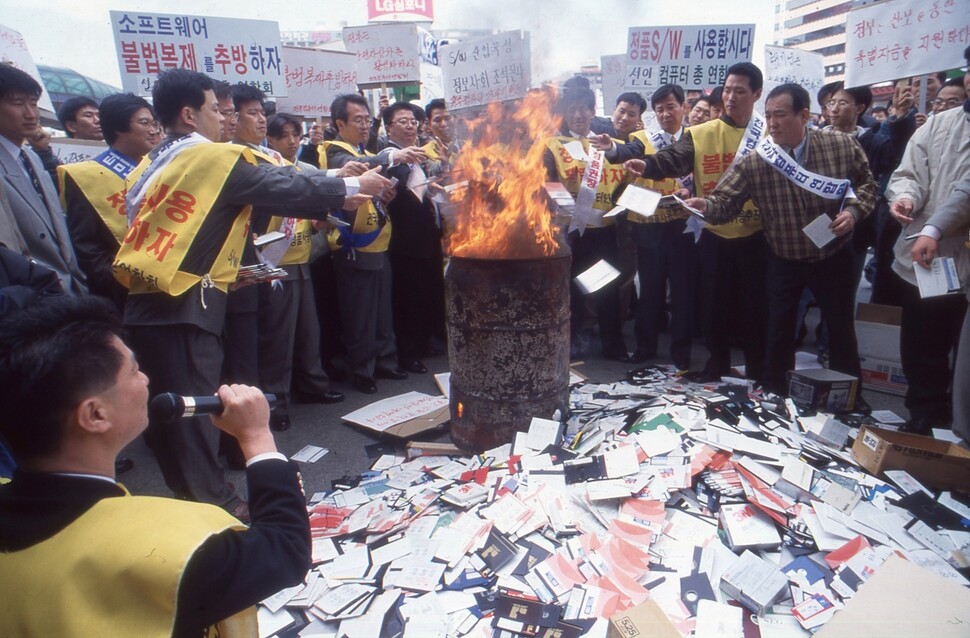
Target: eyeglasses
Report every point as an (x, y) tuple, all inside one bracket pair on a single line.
[(147, 123), (406, 122), (950, 102), (834, 103), (232, 116)]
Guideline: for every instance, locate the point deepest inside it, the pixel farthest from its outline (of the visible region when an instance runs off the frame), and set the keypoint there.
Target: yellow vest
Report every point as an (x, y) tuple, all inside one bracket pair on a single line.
[(571, 170), (103, 188), (115, 571), (299, 249), (370, 231), (715, 144), (665, 186), (171, 214)]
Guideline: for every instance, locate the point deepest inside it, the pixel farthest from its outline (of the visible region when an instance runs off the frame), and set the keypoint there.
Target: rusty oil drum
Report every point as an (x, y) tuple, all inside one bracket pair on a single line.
[(508, 346)]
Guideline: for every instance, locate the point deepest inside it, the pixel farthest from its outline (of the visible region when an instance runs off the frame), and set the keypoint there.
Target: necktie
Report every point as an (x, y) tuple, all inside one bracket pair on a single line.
[(32, 174)]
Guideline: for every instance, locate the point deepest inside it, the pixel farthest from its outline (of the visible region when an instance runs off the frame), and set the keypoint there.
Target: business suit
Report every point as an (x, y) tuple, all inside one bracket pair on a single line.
[(41, 222)]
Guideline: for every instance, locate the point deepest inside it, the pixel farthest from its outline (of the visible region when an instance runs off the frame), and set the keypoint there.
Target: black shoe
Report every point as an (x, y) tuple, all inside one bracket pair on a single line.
[(122, 465), (319, 397), (639, 356), (397, 374), (365, 384), (415, 367), (279, 422)]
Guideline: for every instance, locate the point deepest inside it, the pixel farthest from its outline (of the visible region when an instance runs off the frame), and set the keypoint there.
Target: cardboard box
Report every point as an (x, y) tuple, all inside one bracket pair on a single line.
[(821, 389), (936, 464), (640, 621), (877, 332)]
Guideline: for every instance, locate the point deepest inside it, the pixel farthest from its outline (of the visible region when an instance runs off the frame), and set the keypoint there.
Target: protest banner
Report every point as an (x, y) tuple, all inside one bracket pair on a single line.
[(613, 69), (400, 10), (695, 57), (783, 65), (237, 51), (387, 54), (70, 151), (14, 51), (904, 38), (314, 78), (432, 85), (488, 69)]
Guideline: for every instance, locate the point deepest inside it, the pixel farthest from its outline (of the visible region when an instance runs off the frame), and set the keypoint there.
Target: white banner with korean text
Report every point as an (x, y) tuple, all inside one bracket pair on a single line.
[(387, 54), (613, 68), (230, 49), (489, 69), (784, 65), (904, 38), (314, 78), (695, 57)]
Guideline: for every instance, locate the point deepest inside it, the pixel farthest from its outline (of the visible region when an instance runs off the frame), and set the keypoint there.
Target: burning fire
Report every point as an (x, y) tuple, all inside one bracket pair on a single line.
[(503, 213)]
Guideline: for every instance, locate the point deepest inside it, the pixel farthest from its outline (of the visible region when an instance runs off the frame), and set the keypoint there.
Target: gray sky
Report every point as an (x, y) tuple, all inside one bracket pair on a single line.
[(566, 34)]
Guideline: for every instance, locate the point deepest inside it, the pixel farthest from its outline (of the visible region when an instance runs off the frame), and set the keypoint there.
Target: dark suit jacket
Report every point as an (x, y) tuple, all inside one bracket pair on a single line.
[(229, 572), (42, 225)]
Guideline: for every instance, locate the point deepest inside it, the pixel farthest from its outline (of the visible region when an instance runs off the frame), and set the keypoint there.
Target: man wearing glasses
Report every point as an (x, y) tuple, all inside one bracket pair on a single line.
[(93, 192), (952, 95)]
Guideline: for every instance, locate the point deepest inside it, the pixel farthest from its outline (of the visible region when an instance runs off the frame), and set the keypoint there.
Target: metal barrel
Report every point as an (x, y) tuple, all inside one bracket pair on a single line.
[(508, 346)]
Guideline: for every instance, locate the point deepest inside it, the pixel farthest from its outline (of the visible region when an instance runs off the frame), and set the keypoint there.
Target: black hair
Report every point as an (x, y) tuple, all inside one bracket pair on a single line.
[(68, 111), (389, 112), (276, 124), (633, 98), (577, 95), (437, 103), (666, 91), (177, 88), (799, 96), (116, 112), (745, 69), (879, 109), (701, 98), (826, 92), (861, 94), (13, 80), (243, 93), (269, 107), (957, 82), (715, 99), (222, 89), (53, 355), (419, 113), (338, 109)]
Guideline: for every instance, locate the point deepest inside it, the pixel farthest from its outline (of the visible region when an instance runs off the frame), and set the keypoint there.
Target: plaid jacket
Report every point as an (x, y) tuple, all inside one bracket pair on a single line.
[(787, 208)]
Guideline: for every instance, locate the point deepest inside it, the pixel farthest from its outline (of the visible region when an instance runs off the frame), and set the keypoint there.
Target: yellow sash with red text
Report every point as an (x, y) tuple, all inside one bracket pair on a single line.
[(571, 170), (665, 186), (104, 189), (370, 231), (172, 213), (715, 144)]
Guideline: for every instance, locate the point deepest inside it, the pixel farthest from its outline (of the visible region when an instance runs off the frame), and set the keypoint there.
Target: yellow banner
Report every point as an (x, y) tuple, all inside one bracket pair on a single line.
[(571, 172), (715, 144), (103, 188)]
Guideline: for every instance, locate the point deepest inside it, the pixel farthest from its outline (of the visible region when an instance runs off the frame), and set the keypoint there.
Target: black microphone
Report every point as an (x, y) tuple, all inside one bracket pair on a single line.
[(168, 406)]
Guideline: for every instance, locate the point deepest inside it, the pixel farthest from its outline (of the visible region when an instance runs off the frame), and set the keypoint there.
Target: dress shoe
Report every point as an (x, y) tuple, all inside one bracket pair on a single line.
[(365, 384), (319, 397), (122, 465), (415, 367), (279, 422), (383, 372), (241, 512)]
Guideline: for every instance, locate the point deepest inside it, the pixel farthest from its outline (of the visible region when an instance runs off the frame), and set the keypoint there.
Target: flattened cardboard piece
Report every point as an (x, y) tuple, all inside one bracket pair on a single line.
[(903, 599)]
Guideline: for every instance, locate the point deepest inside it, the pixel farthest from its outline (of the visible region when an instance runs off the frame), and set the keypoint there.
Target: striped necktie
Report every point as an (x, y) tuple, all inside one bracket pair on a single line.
[(32, 174)]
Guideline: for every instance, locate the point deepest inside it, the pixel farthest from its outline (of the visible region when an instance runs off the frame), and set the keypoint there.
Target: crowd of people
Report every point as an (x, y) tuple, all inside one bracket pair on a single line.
[(339, 232)]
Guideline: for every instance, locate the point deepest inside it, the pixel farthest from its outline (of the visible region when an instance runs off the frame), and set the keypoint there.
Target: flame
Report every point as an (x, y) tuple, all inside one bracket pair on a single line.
[(461, 409), (503, 213)]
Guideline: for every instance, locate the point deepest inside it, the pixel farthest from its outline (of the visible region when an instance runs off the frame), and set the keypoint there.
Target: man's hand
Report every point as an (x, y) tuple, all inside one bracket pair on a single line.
[(601, 142), (355, 202), (382, 103), (902, 210), (843, 223), (697, 203), (372, 182), (352, 169), (409, 155), (924, 250), (321, 225), (682, 193), (245, 417), (903, 100), (387, 195), (920, 119), (41, 141), (635, 167)]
